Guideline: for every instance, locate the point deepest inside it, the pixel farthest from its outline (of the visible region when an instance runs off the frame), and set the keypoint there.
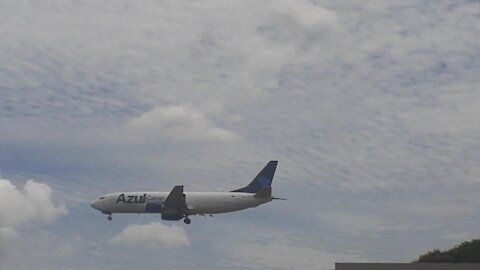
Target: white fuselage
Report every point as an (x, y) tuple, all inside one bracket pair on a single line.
[(197, 202)]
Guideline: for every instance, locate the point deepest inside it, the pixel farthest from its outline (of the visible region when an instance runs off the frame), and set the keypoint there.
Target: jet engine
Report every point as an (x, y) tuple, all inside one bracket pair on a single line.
[(154, 207), (172, 216)]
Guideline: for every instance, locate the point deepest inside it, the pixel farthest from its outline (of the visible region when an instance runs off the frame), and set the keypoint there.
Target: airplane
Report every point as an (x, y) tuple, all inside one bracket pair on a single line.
[(177, 204)]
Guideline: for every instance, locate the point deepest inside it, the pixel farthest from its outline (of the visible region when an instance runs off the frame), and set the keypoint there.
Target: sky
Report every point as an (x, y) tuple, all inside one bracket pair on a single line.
[(371, 108)]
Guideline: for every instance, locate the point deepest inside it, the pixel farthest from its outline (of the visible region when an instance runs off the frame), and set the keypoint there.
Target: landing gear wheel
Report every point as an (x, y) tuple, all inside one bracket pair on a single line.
[(109, 217), (187, 220)]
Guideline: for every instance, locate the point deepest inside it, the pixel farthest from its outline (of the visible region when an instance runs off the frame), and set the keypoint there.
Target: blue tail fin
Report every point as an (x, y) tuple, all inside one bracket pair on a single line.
[(262, 180)]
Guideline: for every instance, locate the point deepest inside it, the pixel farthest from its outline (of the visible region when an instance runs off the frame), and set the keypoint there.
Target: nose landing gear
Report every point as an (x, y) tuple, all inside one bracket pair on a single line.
[(187, 220), (109, 215)]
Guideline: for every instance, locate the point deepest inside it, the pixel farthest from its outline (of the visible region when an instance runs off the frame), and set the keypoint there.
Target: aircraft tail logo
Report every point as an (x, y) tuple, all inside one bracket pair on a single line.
[(262, 180)]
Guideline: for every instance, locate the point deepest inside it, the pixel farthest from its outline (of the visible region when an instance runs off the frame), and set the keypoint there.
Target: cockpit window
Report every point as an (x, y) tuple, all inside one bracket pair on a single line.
[(101, 198)]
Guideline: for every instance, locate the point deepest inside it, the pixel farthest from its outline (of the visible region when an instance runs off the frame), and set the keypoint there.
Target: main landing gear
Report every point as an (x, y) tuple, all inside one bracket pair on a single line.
[(187, 220)]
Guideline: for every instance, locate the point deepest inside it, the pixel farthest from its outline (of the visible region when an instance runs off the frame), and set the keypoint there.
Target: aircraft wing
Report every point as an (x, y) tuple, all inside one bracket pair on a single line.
[(175, 201)]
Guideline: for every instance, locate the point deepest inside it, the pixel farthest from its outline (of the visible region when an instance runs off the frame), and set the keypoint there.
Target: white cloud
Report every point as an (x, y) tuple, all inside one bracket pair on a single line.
[(155, 235), (31, 205), (177, 123)]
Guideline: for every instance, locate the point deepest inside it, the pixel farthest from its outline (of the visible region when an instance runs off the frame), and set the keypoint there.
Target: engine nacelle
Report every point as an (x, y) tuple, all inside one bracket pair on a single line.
[(154, 207), (172, 216)]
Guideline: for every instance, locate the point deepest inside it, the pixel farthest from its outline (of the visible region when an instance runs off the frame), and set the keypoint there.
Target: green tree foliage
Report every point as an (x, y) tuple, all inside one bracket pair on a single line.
[(467, 252)]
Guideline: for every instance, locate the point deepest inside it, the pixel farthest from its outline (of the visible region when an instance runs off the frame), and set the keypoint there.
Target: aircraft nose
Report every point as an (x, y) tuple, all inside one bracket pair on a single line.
[(95, 205)]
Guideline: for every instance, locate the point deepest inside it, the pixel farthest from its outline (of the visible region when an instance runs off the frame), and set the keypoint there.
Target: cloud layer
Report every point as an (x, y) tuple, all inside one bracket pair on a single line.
[(371, 107)]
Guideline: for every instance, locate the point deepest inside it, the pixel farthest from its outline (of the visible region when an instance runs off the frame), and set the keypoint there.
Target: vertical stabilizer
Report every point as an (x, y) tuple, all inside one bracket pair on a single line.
[(262, 180)]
